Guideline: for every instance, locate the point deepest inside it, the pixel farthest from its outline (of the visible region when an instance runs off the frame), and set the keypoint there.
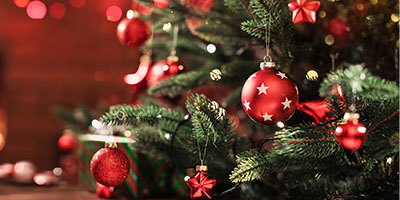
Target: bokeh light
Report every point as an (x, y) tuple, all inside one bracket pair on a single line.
[(114, 13), (130, 14), (21, 3), (77, 3), (312, 75), (211, 48), (36, 10), (57, 10), (329, 39)]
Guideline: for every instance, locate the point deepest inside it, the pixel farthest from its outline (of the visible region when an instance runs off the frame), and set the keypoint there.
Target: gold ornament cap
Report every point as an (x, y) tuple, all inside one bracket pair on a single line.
[(267, 65), (173, 58), (352, 117), (203, 168)]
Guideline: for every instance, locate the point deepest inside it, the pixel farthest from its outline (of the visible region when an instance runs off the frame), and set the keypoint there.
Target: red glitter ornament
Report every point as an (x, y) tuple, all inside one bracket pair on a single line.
[(269, 96), (133, 32), (200, 185), (109, 166), (304, 11), (66, 143), (317, 109), (351, 135)]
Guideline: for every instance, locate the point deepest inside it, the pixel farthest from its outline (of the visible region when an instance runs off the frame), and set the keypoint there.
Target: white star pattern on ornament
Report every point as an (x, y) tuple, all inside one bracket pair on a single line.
[(282, 75), (286, 103), (247, 104), (266, 117), (262, 89)]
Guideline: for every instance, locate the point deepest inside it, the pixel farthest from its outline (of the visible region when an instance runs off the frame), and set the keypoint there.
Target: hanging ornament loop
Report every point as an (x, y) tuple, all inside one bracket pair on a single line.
[(111, 142), (267, 41), (202, 156)]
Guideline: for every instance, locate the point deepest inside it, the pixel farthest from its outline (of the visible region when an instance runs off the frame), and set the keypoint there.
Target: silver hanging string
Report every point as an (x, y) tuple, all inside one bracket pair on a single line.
[(202, 157), (174, 40), (267, 41)]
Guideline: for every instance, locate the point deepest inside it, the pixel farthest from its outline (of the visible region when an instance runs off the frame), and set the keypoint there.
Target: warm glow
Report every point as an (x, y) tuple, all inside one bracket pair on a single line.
[(280, 124), (312, 75), (102, 138), (362, 129), (2, 140), (36, 10), (114, 13), (77, 3), (211, 48), (57, 10), (322, 14), (96, 124), (167, 27), (57, 171), (21, 3), (130, 14), (339, 130), (329, 39), (394, 17)]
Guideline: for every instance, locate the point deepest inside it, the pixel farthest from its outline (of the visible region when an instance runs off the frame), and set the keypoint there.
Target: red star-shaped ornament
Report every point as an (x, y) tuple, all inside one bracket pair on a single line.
[(304, 11), (200, 185)]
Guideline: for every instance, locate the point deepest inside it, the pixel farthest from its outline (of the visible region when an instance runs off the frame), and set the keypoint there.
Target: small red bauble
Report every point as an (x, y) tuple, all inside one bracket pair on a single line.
[(269, 96), (163, 69), (351, 135), (66, 143), (133, 32), (200, 185), (337, 26), (161, 3), (109, 166)]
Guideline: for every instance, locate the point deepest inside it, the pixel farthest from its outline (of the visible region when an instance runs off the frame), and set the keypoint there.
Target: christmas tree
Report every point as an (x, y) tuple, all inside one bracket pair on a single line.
[(342, 140)]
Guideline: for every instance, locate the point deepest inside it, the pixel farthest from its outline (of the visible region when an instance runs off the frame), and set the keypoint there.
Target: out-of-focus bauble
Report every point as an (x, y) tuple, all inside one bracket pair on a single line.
[(160, 3), (109, 166), (45, 178), (133, 32), (337, 26), (66, 143), (23, 172), (269, 96)]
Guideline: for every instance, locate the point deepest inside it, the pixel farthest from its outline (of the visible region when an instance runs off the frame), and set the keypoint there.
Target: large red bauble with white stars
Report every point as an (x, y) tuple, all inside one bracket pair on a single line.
[(269, 96), (109, 166), (351, 135), (133, 32)]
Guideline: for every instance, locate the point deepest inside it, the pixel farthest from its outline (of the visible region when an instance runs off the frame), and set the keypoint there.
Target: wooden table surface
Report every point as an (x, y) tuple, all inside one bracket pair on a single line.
[(19, 192)]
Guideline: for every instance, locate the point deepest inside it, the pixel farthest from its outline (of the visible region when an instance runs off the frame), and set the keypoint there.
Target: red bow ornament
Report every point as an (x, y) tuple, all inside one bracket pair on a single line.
[(304, 11), (200, 185)]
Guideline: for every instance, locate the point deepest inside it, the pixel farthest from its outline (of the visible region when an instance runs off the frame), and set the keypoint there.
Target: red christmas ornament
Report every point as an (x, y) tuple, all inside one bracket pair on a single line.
[(351, 135), (318, 110), (269, 96), (337, 26), (6, 170), (109, 166), (200, 185), (163, 69), (23, 172), (66, 143), (203, 5), (103, 191), (133, 32), (304, 11)]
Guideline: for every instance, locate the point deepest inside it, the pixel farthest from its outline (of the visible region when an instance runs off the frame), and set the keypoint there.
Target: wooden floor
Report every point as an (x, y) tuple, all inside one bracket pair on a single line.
[(18, 192)]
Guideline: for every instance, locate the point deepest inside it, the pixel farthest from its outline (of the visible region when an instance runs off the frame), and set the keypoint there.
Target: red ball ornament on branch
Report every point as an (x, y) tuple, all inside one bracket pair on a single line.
[(109, 166), (269, 96), (163, 69), (351, 135), (133, 32)]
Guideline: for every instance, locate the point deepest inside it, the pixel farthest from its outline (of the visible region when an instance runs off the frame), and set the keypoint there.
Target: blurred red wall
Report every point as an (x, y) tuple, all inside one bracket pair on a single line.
[(68, 61)]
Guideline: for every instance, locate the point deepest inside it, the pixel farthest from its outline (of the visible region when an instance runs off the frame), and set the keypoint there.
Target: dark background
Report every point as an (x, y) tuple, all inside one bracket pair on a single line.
[(43, 63)]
